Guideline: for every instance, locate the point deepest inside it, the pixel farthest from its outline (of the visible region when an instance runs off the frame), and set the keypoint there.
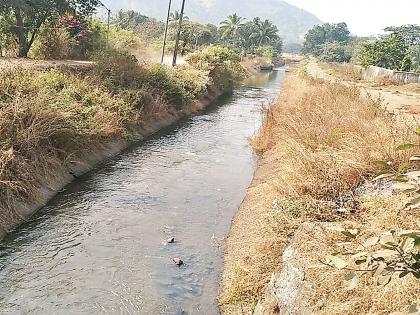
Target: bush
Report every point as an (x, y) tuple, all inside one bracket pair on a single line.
[(221, 63), (52, 44), (120, 71)]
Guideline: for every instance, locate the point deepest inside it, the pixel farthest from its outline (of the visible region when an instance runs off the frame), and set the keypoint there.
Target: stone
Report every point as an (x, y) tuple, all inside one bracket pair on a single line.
[(178, 261)]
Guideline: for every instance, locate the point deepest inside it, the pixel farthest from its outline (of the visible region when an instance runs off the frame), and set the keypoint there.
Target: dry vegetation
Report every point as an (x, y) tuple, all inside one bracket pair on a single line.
[(317, 146), (52, 118), (343, 71)]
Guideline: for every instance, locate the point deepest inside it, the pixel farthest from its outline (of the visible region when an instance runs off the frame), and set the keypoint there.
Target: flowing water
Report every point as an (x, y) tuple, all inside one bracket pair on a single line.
[(99, 246)]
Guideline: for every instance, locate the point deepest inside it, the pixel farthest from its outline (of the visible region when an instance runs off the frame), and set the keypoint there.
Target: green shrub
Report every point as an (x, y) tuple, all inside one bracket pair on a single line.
[(52, 44), (161, 78), (120, 71), (221, 63)]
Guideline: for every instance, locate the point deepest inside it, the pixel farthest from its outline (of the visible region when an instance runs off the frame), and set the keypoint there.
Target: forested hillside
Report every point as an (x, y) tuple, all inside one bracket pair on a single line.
[(292, 22)]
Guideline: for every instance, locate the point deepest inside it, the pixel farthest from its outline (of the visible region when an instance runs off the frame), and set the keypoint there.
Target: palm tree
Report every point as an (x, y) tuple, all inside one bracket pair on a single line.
[(129, 19), (175, 16), (265, 32), (230, 28)]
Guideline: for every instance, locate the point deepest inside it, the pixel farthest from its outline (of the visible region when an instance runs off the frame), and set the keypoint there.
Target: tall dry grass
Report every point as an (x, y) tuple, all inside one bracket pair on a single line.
[(317, 145), (328, 135), (45, 118)]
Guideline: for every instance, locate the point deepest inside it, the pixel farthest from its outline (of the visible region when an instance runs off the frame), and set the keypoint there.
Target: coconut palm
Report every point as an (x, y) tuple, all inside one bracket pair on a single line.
[(230, 28), (129, 19), (265, 32), (175, 16)]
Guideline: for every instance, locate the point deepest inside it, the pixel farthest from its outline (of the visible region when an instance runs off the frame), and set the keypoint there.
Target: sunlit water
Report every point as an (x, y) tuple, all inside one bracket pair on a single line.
[(98, 247)]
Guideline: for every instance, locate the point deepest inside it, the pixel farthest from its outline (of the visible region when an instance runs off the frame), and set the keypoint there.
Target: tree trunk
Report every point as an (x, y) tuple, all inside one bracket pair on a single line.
[(23, 44)]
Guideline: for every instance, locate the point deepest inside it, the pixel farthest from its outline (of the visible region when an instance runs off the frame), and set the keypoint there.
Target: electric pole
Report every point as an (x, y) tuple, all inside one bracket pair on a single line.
[(107, 31), (166, 31), (178, 34), (108, 22)]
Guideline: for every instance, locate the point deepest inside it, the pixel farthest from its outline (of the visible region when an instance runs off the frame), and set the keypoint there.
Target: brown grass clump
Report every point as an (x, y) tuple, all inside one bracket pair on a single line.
[(317, 145)]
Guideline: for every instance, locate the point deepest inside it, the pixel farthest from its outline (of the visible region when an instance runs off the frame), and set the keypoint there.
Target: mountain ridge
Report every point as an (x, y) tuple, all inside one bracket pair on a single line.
[(292, 21)]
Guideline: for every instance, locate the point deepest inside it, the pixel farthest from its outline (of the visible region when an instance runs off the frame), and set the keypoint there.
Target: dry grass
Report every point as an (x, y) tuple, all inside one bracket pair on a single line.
[(46, 117), (379, 214), (317, 145), (344, 71)]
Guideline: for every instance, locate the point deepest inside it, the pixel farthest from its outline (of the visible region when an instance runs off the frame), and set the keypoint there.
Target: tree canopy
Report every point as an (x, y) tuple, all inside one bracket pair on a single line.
[(30, 15), (388, 52), (318, 38)]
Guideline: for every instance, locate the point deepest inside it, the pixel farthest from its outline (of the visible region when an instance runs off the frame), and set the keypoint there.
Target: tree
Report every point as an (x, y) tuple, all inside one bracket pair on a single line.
[(30, 15), (193, 35), (129, 20), (387, 52), (265, 32), (410, 33), (320, 37), (230, 28), (175, 16), (7, 41), (414, 52)]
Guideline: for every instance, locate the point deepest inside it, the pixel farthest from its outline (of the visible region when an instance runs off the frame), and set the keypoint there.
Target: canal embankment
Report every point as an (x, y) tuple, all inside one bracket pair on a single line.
[(57, 124), (320, 148)]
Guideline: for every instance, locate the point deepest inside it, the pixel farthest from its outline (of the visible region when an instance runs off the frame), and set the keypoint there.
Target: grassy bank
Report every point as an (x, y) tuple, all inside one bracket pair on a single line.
[(318, 145), (52, 120)]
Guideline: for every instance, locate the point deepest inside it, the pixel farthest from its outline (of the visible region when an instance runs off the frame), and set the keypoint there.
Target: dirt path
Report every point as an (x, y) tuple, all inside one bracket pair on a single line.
[(30, 63), (395, 100)]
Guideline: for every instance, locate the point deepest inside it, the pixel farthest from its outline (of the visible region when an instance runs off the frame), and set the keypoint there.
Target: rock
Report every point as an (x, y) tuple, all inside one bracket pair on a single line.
[(289, 289), (403, 187), (415, 176), (177, 261)]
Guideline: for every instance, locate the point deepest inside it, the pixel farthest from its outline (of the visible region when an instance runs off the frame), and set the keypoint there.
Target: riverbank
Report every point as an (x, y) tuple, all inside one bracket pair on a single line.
[(320, 147), (57, 124)]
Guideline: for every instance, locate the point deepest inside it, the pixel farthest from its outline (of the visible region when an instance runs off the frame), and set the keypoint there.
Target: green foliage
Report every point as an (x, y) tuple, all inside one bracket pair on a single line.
[(250, 36), (129, 20), (388, 52), (266, 51), (222, 65), (409, 33), (193, 36), (229, 28), (56, 41), (52, 44), (335, 52), (176, 16), (7, 40), (30, 15), (414, 53), (320, 37), (121, 72)]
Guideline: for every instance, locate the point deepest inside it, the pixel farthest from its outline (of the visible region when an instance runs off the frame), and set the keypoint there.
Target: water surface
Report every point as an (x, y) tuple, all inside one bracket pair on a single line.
[(98, 247)]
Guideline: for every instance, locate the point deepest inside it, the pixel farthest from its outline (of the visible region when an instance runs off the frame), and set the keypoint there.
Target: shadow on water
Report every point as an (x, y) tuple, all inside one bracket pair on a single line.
[(99, 246)]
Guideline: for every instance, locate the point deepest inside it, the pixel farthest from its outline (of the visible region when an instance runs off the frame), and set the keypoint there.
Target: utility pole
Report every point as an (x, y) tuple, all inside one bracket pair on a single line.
[(166, 31), (178, 34), (108, 22), (107, 31)]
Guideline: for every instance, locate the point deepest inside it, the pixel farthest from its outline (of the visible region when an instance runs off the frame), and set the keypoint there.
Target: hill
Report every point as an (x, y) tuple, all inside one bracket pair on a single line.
[(292, 22)]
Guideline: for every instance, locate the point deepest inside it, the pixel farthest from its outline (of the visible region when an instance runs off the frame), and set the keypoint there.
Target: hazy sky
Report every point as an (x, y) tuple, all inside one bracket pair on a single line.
[(364, 17)]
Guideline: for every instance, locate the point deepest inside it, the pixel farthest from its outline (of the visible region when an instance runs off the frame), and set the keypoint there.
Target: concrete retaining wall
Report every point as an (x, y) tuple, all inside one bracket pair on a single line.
[(372, 73)]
